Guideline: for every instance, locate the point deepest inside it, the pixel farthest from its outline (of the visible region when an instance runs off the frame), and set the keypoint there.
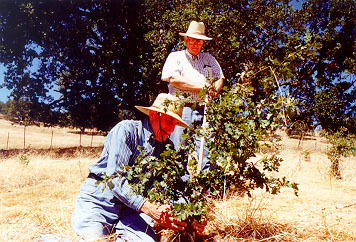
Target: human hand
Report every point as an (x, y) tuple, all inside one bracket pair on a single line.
[(216, 87), (212, 91), (199, 227), (169, 221), (162, 214)]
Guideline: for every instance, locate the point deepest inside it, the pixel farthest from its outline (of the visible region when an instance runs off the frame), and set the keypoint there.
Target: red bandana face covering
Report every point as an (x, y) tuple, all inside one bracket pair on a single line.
[(162, 125)]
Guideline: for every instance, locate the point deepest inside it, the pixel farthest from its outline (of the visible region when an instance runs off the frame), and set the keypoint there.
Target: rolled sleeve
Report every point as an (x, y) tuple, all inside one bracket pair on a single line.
[(171, 67)]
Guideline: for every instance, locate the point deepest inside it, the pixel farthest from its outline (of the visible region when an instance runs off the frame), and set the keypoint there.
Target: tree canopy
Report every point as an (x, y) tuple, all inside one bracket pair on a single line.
[(104, 57)]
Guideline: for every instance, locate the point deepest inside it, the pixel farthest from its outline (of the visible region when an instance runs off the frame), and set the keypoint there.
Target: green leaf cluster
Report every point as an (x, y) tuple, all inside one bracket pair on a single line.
[(240, 125), (166, 180), (23, 159), (342, 145)]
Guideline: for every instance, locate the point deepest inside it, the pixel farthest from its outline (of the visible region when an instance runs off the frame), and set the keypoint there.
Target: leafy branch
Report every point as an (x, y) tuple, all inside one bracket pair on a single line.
[(238, 127)]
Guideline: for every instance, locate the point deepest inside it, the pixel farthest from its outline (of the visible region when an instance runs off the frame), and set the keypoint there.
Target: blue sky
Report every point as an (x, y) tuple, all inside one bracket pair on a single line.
[(3, 91)]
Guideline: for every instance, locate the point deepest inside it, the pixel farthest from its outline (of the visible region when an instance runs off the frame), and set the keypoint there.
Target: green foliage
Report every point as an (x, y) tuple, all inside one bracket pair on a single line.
[(185, 196), (342, 145), (99, 54), (332, 26), (18, 111), (87, 50), (23, 159), (25, 112), (331, 107), (2, 105), (239, 125)]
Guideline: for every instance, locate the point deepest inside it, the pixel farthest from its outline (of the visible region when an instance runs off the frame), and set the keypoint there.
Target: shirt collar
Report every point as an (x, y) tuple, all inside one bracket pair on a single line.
[(192, 57), (147, 130)]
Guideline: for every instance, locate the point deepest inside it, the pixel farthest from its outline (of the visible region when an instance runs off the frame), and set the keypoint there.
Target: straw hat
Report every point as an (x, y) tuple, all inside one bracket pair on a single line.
[(196, 30), (174, 108)]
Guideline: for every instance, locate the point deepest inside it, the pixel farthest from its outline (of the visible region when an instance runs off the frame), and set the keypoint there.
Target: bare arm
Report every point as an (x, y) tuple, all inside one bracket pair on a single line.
[(185, 84), (219, 84), (161, 213)]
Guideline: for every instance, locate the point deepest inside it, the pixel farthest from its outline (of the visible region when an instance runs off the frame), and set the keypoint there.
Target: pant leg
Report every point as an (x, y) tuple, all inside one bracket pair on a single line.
[(95, 212), (197, 117), (193, 118), (176, 135), (98, 213), (135, 226)]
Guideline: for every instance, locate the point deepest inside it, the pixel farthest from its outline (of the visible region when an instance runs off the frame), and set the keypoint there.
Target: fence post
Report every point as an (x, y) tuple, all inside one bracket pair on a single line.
[(7, 142), (51, 140), (24, 137)]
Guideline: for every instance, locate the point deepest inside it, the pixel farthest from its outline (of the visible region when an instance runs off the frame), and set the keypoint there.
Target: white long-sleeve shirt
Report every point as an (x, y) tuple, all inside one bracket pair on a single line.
[(197, 70)]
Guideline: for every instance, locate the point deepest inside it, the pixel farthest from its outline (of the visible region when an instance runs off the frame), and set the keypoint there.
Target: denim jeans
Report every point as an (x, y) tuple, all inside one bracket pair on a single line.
[(98, 213), (192, 118)]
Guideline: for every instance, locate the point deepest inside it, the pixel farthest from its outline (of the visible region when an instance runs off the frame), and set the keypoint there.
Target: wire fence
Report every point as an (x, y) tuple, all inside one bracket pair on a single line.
[(47, 138)]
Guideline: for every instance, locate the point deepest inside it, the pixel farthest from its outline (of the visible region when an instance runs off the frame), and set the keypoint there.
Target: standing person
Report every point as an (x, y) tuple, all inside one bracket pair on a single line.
[(188, 71), (101, 210)]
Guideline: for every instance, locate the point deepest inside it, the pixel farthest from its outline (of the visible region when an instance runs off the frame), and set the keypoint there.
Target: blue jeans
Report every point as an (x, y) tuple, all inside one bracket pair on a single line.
[(98, 213), (193, 118)]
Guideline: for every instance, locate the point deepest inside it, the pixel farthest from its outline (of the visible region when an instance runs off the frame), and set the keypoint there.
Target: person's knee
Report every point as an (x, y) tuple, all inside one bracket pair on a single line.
[(136, 227), (131, 237), (93, 233), (136, 235), (89, 230)]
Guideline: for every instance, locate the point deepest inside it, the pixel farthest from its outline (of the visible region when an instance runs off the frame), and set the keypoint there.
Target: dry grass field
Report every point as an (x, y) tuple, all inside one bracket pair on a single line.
[(38, 191), (12, 137)]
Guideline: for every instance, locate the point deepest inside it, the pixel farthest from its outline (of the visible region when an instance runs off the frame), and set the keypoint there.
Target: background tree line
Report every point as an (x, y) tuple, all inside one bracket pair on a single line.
[(104, 57)]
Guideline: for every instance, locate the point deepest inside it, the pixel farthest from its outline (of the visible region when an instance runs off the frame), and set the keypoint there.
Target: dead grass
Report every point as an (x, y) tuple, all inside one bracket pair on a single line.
[(39, 137), (237, 219), (54, 153), (38, 198)]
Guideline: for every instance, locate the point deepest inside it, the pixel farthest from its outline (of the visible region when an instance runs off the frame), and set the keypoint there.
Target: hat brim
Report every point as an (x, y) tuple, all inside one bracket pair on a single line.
[(176, 116), (196, 36)]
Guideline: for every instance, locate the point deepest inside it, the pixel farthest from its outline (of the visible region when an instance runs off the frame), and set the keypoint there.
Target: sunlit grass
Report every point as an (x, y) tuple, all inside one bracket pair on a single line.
[(38, 193)]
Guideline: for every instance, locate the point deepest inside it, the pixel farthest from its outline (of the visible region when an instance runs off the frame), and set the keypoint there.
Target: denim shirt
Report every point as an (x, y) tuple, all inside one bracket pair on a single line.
[(121, 148)]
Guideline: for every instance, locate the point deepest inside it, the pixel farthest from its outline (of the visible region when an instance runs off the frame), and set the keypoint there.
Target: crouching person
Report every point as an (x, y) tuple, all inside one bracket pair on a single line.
[(101, 210)]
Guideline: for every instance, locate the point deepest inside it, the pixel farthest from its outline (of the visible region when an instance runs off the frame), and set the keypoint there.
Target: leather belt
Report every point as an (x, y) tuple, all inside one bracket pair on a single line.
[(95, 177), (196, 106)]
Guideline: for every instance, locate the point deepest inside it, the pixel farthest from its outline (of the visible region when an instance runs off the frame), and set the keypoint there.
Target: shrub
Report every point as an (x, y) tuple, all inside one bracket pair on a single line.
[(342, 145), (239, 125)]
